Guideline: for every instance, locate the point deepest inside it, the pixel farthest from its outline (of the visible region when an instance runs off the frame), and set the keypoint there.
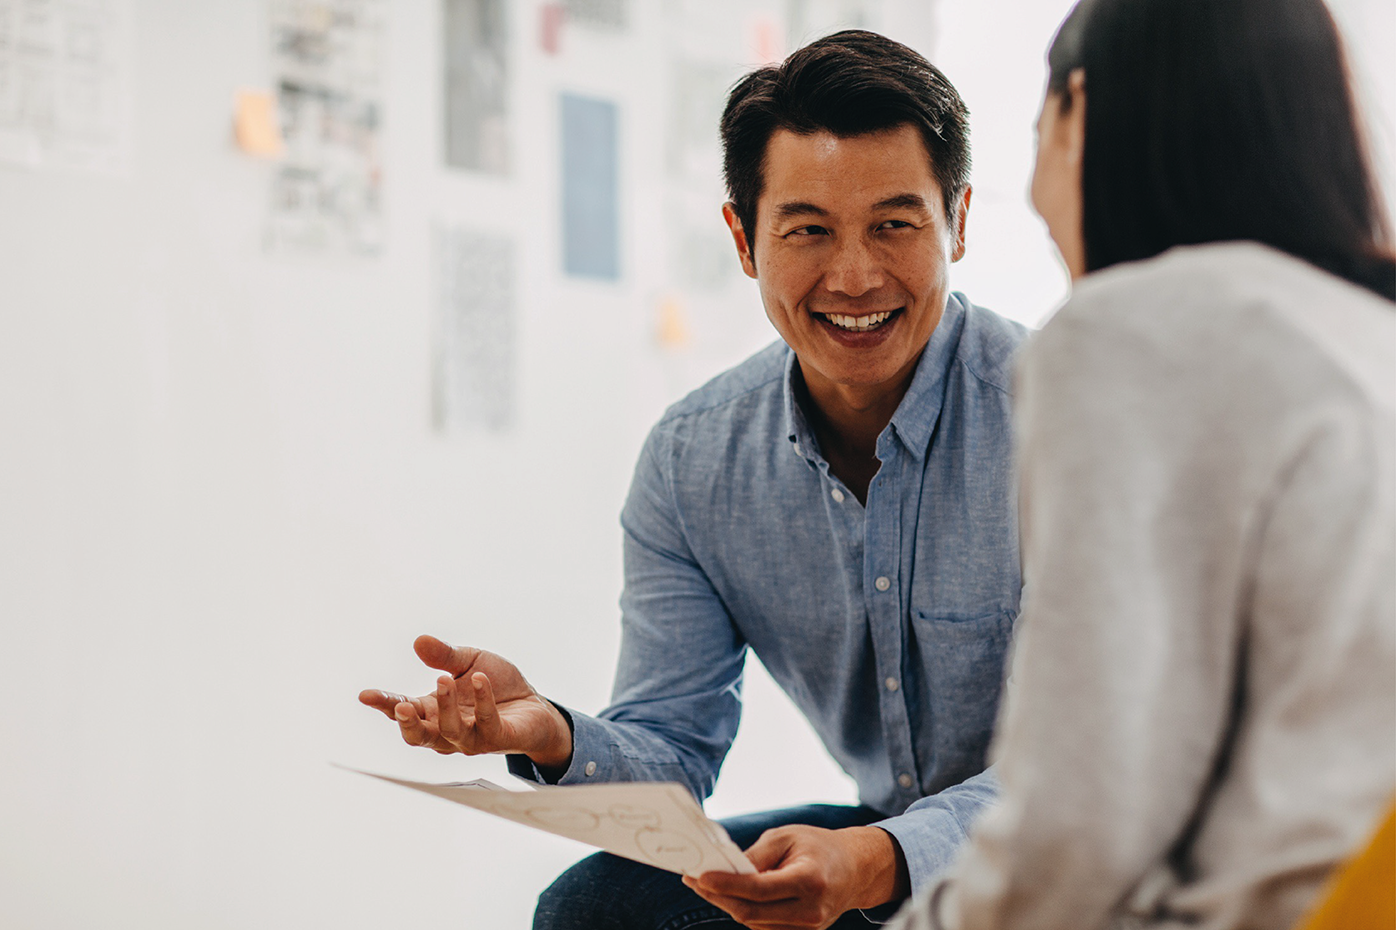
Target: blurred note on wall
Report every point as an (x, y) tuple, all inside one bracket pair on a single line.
[(473, 377), (477, 84), (65, 84), (327, 67), (256, 129), (590, 188), (601, 14)]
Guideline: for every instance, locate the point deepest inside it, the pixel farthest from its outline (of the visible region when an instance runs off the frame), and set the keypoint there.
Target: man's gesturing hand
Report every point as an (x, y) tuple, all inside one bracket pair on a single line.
[(808, 877), (482, 705)]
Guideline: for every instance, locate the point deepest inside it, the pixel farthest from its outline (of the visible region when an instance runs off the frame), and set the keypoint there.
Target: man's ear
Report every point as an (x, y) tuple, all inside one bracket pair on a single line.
[(729, 213), (957, 251)]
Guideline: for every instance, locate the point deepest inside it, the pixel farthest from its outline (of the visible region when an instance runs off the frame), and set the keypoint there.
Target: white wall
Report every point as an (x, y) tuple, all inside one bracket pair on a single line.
[(224, 509)]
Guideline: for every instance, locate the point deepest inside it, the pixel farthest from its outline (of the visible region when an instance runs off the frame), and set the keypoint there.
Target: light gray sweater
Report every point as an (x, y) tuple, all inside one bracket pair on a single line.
[(1201, 719)]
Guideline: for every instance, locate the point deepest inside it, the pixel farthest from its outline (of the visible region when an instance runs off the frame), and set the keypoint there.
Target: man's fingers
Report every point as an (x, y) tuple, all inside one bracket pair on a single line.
[(768, 886), (384, 701), (413, 728), (448, 720), (440, 655), (488, 730), (769, 850), (747, 912)]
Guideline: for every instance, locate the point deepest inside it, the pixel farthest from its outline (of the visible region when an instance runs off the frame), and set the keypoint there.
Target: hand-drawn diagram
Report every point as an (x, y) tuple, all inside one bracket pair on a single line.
[(563, 818), (65, 84), (327, 66), (658, 823), (671, 851)]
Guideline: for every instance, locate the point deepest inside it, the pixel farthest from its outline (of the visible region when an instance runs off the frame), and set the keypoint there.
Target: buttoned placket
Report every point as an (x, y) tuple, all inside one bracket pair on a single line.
[(884, 596)]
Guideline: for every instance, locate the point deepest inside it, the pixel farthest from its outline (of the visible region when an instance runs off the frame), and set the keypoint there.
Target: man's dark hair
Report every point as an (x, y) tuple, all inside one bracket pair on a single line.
[(850, 84), (1217, 120)]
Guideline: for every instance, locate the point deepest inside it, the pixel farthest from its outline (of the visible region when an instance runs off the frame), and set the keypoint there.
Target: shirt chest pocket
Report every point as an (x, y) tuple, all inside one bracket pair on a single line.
[(962, 661)]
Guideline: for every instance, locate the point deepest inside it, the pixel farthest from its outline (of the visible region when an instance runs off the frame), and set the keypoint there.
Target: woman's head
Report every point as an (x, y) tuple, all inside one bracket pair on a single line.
[(1176, 122)]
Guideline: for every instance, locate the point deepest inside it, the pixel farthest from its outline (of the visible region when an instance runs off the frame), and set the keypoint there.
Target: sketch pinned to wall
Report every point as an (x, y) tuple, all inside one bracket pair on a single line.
[(65, 84), (477, 83), (699, 93), (602, 14), (590, 188), (327, 65), (473, 376)]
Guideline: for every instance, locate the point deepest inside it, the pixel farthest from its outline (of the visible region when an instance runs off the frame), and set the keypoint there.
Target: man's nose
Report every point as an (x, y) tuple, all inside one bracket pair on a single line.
[(853, 269)]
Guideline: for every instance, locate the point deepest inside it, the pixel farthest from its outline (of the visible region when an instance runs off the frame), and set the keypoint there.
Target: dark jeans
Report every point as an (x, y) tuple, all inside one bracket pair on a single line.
[(606, 892)]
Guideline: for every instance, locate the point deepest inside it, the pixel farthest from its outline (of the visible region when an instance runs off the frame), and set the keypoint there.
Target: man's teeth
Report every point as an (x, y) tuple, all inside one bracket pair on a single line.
[(859, 324)]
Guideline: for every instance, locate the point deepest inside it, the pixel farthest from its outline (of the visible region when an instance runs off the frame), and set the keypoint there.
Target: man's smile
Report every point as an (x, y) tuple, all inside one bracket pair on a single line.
[(863, 323)]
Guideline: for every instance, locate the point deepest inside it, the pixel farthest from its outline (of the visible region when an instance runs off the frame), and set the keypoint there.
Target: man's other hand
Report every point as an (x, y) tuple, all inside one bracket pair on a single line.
[(808, 877), (482, 705)]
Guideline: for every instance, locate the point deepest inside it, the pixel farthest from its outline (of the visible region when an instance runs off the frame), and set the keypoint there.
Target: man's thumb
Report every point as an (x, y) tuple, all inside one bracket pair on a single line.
[(769, 850), (455, 660)]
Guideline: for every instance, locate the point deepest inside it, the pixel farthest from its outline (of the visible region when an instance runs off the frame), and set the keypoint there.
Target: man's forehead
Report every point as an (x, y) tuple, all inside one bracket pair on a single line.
[(888, 168)]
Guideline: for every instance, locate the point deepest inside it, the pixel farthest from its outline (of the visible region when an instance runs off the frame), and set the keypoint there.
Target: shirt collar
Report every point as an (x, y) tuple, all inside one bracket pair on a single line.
[(915, 418)]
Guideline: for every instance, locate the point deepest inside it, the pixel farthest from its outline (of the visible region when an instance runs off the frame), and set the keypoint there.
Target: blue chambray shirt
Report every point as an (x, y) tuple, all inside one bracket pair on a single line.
[(887, 625)]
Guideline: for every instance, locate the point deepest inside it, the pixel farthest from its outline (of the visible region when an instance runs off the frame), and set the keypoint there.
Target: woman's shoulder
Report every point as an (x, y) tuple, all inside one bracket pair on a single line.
[(1236, 303)]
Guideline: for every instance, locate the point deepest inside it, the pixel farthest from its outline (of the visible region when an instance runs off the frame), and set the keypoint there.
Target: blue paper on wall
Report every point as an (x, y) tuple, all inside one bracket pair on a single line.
[(590, 188)]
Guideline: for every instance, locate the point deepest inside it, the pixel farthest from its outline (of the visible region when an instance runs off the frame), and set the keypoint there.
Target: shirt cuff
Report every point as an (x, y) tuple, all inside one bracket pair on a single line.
[(590, 745), (930, 839)]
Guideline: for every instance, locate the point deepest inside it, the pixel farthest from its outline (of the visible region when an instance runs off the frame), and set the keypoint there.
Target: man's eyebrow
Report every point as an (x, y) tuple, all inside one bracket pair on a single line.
[(794, 208), (903, 202)]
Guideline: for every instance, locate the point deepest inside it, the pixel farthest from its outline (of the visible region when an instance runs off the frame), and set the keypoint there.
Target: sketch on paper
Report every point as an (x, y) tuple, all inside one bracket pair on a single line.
[(327, 67), (657, 823), (473, 372), (65, 84), (477, 83), (590, 188), (604, 14)]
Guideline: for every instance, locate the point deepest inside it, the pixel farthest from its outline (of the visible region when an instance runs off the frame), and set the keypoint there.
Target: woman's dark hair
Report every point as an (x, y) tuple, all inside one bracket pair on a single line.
[(850, 83), (1215, 120)]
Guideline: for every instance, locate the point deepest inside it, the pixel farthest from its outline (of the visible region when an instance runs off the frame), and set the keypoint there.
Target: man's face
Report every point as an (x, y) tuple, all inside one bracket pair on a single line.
[(852, 250)]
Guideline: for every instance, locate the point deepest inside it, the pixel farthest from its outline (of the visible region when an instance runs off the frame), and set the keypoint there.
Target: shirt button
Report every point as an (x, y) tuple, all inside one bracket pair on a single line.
[(905, 780), (892, 684), (590, 768), (882, 583), (837, 495)]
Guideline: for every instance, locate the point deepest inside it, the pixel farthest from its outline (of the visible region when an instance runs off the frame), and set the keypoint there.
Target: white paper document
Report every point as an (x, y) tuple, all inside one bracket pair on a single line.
[(657, 823)]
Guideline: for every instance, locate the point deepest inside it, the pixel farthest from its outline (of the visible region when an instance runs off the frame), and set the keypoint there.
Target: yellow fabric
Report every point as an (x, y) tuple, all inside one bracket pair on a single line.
[(1362, 894)]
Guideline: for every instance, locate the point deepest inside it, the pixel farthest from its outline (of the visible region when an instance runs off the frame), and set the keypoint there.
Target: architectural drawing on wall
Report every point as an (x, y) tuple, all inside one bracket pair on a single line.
[(603, 14), (65, 84), (477, 83), (473, 369), (327, 69), (590, 188)]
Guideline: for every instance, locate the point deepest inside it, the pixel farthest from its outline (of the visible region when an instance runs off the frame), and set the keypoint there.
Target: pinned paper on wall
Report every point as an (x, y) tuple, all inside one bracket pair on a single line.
[(477, 84), (550, 20), (473, 371), (65, 84), (327, 66), (590, 188), (255, 127), (699, 93), (672, 330), (603, 14)]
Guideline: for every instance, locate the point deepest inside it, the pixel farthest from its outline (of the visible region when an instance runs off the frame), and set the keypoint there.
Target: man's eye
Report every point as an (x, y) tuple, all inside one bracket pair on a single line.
[(808, 231), (895, 224)]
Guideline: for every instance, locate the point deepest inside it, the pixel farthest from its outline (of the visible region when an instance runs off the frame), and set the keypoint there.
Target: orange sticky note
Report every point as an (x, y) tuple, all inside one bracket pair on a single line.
[(673, 331), (255, 125)]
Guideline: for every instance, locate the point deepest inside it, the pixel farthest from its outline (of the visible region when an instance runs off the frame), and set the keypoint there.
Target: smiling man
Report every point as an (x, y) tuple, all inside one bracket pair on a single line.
[(840, 503)]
